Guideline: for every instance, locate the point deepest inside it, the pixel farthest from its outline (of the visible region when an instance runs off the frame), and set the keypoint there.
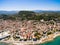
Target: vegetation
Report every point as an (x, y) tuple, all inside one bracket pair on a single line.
[(30, 15), (37, 35)]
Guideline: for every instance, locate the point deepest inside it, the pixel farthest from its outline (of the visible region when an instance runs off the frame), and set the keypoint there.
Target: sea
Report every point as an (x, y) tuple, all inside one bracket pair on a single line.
[(56, 41), (2, 43)]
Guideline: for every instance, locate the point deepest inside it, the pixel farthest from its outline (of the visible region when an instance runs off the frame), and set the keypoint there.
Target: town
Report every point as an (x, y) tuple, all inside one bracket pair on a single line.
[(29, 27), (27, 30)]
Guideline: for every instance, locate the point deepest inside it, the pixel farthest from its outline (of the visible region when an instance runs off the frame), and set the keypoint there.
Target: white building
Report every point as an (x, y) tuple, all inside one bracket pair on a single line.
[(4, 34)]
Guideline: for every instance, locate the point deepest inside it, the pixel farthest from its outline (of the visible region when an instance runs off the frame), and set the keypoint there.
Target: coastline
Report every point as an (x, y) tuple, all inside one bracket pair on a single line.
[(50, 37), (42, 40)]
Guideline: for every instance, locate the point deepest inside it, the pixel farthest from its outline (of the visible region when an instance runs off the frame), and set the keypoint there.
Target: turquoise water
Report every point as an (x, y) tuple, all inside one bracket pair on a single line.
[(2, 43), (56, 41)]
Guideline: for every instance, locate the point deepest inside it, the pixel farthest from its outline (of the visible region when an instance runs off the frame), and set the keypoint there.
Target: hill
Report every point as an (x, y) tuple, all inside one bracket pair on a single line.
[(8, 12)]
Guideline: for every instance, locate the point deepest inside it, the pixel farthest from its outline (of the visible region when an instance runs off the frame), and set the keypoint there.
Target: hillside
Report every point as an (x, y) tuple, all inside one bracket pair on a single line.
[(31, 15)]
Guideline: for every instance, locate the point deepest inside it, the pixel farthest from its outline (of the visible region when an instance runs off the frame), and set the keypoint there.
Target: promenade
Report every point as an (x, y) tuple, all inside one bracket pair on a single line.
[(31, 42)]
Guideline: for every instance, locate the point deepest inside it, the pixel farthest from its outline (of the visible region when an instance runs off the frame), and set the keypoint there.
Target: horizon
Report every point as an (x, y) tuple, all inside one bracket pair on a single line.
[(17, 5), (29, 10)]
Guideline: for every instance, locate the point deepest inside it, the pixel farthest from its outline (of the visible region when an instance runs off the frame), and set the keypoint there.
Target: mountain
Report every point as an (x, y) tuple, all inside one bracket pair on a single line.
[(44, 11), (8, 12), (37, 11)]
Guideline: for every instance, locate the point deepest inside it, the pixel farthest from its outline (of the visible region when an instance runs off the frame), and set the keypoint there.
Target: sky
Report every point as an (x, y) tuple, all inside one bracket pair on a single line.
[(10, 5)]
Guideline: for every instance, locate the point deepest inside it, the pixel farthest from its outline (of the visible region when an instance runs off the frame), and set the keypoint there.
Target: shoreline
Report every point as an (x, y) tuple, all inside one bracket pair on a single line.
[(42, 40), (50, 37)]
